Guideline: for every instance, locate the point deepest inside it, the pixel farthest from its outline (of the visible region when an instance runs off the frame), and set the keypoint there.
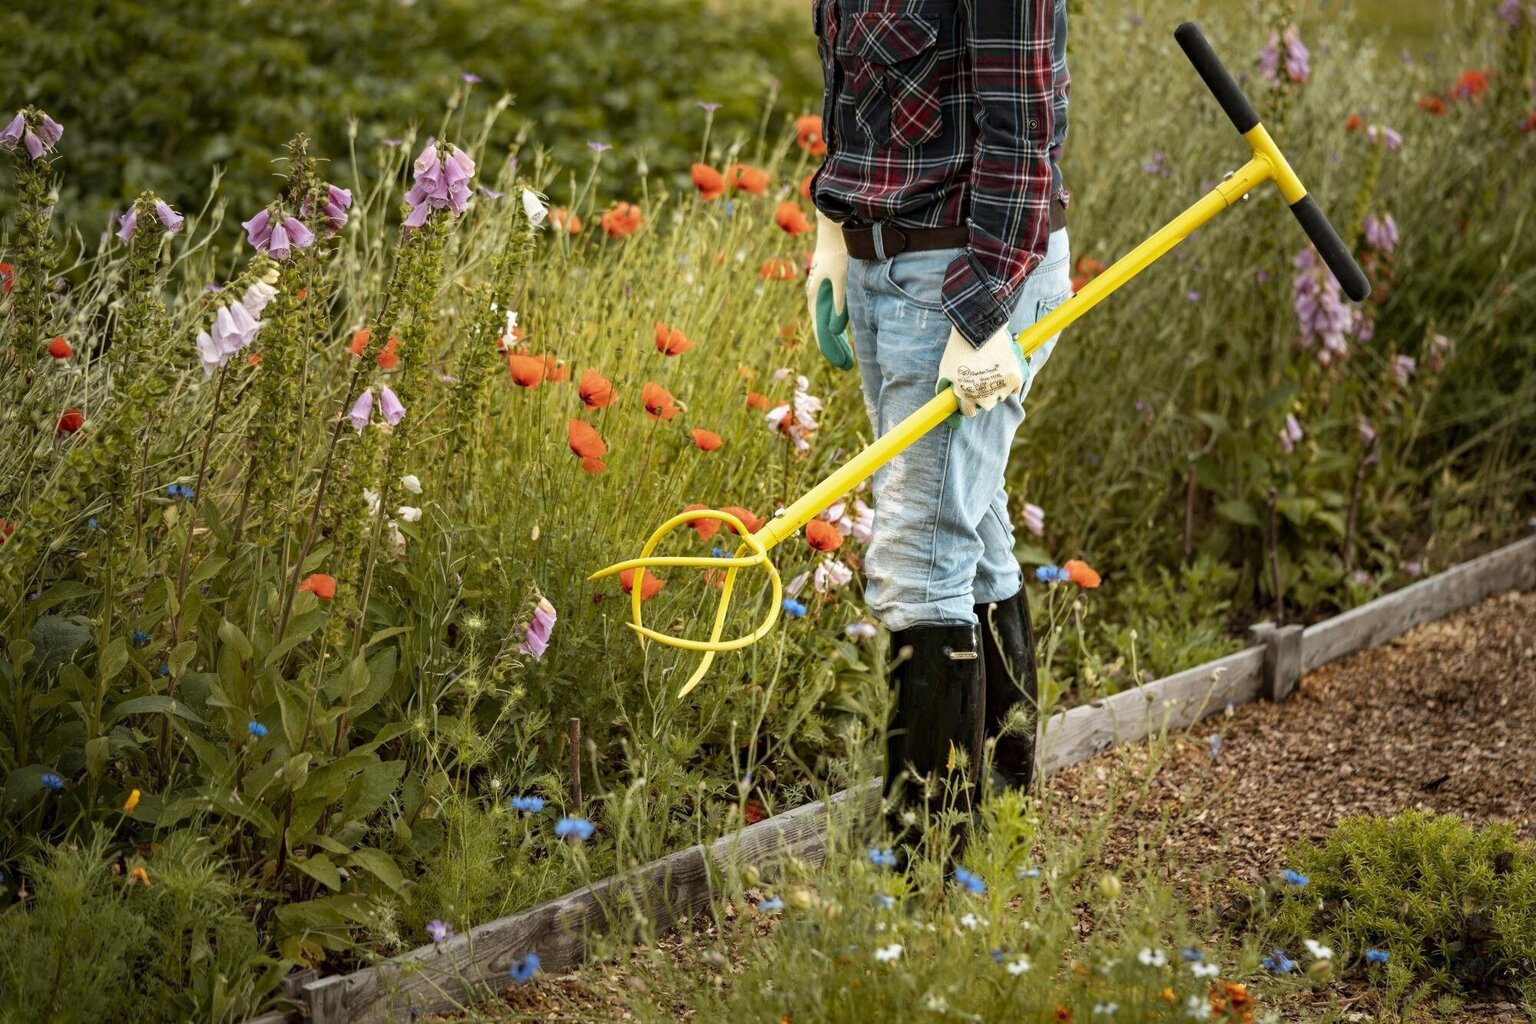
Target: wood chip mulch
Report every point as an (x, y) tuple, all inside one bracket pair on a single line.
[(1443, 718)]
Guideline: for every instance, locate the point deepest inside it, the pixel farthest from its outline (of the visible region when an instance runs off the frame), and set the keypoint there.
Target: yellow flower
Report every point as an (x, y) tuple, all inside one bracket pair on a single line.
[(138, 875), (131, 802)]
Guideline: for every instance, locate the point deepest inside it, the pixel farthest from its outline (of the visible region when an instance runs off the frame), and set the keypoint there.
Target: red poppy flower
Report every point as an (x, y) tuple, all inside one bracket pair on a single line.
[(622, 220), (1089, 266), (706, 440), (321, 585), (756, 400), (750, 521), (1432, 104), (706, 528), (595, 391), (822, 535), (1471, 85), (555, 370), (527, 371), (753, 812), (1081, 573), (670, 341), (1529, 124), (359, 341), (1063, 1014), (1078, 283), (791, 218), (650, 583), (745, 178), (805, 187), (587, 444), (254, 359), (657, 401), (562, 219), (709, 182), (71, 421), (778, 269), (387, 357), (808, 134), (7, 278), (59, 348), (8, 528), (1355, 123)]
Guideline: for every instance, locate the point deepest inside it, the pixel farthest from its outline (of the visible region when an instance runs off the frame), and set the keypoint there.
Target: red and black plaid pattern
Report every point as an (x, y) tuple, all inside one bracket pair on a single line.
[(943, 112)]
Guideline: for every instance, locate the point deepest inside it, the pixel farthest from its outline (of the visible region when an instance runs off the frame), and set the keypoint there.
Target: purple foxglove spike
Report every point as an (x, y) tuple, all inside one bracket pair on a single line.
[(257, 296), (362, 411), (417, 195), (389, 406), (335, 218), (49, 130), (341, 197), (278, 247), (461, 163), (458, 199), (169, 217), (11, 137), (244, 323), (126, 224), (299, 236), (259, 229), (418, 216), (536, 639), (35, 147)]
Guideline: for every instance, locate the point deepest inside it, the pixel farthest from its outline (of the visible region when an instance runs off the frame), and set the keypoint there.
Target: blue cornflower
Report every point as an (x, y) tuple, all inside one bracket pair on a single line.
[(771, 904), (523, 970), (1191, 955), (1029, 872), (882, 858), (998, 956), (886, 902), (528, 804), (730, 207), (1376, 956), (579, 829), (140, 638), (51, 780), (1295, 878), (970, 881), (91, 522), (719, 552), (1051, 574), (164, 670), (794, 608), (255, 728), (1278, 962)]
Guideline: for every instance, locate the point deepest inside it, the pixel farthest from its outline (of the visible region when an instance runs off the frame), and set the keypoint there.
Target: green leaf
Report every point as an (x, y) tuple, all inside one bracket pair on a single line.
[(1216, 422), (1239, 512), (181, 656), (154, 704), (381, 866), (322, 869), (61, 593), (372, 787), (114, 659), (98, 750), (381, 674), (55, 639), (232, 636), (1031, 554), (207, 569)]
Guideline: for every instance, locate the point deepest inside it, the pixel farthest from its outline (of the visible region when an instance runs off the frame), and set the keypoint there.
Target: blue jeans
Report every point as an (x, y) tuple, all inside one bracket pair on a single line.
[(943, 538)]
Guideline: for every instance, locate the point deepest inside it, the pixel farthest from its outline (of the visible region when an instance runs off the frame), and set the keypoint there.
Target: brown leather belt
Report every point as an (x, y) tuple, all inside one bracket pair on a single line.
[(893, 240)]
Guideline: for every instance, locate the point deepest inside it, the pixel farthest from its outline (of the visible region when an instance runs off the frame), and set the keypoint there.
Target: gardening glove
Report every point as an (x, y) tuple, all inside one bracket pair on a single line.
[(826, 293), (982, 377)]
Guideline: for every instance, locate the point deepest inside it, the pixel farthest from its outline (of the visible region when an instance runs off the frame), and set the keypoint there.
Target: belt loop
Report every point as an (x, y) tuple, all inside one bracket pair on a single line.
[(878, 234)]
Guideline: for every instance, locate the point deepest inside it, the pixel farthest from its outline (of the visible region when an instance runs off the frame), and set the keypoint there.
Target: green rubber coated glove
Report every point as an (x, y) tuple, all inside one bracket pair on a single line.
[(826, 294)]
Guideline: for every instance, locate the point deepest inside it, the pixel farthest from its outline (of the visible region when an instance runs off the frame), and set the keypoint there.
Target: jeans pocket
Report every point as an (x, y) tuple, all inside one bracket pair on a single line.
[(893, 67), (918, 277)]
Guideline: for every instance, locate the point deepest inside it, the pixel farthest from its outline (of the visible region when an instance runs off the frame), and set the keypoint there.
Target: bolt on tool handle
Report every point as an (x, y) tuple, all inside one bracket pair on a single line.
[(1313, 220)]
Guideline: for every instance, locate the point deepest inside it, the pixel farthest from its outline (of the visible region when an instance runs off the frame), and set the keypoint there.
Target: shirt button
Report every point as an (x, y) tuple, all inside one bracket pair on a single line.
[(1034, 125)]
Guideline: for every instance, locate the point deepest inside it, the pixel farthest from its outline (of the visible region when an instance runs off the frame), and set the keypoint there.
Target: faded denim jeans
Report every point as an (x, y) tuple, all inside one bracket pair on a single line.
[(943, 539)]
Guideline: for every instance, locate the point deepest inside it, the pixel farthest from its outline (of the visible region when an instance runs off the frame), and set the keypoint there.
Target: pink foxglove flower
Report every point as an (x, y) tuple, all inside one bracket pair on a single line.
[(278, 246), (38, 140), (1367, 431), (1324, 318), (127, 224), (1392, 140), (337, 202), (1381, 233), (863, 522), (1034, 519), (536, 638), (831, 574), (362, 411), (1404, 367), (168, 217), (258, 230), (389, 406), (1290, 434), (299, 236)]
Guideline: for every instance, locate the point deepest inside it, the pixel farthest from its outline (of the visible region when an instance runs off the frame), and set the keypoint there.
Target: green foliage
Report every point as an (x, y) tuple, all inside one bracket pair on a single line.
[(155, 94), (1452, 904)]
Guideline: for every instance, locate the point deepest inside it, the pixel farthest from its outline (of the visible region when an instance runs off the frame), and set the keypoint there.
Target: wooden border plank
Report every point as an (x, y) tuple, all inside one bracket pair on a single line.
[(1170, 703), (1512, 567)]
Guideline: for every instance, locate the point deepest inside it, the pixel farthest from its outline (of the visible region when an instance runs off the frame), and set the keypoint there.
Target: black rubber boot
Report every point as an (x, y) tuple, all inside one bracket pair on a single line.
[(1008, 658), (937, 686)]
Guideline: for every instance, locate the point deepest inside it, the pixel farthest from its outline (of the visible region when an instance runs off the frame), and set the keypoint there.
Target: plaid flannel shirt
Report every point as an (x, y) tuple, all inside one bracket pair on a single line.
[(946, 112)]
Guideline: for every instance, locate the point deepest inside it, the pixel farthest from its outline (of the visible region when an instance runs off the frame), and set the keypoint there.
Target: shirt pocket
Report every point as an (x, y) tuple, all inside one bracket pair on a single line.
[(893, 75)]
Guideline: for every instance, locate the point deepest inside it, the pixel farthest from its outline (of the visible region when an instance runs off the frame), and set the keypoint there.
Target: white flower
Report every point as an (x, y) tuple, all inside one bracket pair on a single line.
[(935, 1003), (1019, 966), (1152, 957), (1205, 970), (411, 483), (396, 539), (863, 522), (794, 586), (533, 206), (830, 575), (888, 954), (511, 326), (783, 373), (1105, 1009), (1198, 1008), (408, 513), (861, 630), (970, 921), (1318, 950), (372, 499)]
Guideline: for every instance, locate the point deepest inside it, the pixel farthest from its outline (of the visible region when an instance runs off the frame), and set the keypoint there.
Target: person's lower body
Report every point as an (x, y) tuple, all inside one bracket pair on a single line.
[(941, 573)]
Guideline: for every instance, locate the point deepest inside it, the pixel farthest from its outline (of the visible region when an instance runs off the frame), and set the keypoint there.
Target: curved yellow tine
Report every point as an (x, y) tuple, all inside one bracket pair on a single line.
[(673, 561)]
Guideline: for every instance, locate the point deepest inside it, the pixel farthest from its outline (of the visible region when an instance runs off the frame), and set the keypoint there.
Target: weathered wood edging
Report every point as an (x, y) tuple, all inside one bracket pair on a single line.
[(436, 978)]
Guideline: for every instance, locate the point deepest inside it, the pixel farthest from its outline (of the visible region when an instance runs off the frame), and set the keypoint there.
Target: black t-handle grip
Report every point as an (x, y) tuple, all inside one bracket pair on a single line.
[(1311, 216)]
